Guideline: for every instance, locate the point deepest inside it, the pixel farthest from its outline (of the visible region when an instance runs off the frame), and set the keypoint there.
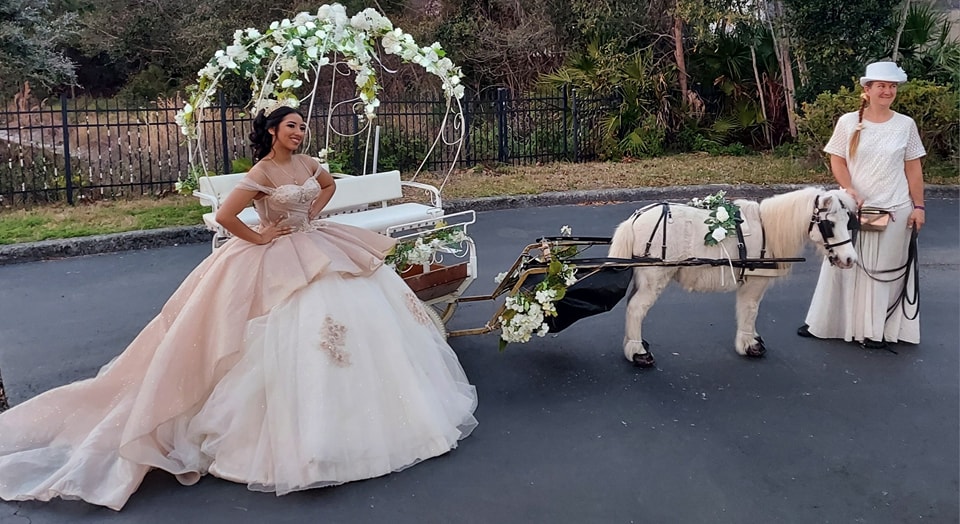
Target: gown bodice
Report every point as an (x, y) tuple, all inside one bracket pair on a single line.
[(284, 205)]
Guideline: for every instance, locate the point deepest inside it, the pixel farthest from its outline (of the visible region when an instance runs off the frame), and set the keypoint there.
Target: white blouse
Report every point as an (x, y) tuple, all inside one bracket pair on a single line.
[(877, 170)]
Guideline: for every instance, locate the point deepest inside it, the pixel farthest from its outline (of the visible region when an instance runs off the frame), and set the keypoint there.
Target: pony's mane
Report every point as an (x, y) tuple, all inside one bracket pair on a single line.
[(784, 221)]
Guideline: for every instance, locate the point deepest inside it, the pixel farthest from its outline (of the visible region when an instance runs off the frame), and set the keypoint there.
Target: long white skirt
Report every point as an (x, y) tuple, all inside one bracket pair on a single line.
[(851, 305)]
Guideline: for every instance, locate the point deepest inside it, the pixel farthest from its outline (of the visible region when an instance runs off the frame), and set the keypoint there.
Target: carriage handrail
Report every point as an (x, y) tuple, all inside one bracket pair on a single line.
[(576, 240)]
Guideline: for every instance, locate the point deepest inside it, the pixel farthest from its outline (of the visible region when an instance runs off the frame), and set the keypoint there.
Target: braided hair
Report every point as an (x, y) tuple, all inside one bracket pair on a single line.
[(855, 138), (260, 138)]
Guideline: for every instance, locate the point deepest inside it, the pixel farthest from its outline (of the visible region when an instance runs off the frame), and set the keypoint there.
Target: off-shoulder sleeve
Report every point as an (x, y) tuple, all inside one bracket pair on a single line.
[(915, 148), (248, 184), (840, 140)]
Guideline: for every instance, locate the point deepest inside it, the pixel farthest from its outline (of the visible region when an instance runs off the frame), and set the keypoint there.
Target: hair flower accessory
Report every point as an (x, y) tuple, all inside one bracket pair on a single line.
[(269, 105)]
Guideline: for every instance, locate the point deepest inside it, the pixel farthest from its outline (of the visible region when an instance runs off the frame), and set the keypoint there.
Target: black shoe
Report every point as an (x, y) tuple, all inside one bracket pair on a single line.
[(874, 344), (804, 331)]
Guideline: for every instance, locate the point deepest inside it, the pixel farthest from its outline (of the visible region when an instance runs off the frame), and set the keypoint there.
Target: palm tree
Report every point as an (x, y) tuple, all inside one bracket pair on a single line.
[(925, 46)]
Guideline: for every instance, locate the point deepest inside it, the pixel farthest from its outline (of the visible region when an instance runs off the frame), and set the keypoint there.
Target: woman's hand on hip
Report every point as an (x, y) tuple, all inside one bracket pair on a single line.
[(270, 232)]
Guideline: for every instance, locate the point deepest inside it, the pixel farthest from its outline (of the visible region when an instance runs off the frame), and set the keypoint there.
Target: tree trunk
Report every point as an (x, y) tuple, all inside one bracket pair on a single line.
[(900, 26), (782, 47), (4, 405), (678, 54), (763, 104)]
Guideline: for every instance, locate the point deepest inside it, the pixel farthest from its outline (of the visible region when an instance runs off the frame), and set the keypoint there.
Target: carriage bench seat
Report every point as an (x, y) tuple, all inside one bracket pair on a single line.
[(362, 201)]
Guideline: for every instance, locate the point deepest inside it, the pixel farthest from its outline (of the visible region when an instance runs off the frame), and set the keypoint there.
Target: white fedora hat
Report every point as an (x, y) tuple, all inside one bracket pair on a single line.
[(883, 72)]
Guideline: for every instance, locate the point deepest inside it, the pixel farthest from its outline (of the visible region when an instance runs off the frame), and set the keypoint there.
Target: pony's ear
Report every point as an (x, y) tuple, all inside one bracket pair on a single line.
[(826, 200)]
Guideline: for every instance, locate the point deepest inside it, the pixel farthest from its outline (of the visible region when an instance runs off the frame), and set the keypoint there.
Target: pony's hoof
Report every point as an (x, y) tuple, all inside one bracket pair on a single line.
[(757, 350), (645, 359)]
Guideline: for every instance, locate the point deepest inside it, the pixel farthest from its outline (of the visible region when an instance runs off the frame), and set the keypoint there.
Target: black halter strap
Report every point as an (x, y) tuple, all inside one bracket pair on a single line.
[(824, 226)]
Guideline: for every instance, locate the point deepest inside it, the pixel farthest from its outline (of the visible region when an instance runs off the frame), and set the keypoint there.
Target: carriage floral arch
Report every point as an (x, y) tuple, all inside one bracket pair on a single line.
[(283, 65)]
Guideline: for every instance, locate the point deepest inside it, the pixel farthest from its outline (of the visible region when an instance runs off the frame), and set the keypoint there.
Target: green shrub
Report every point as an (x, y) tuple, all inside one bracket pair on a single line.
[(240, 165), (645, 141), (401, 151), (397, 150), (933, 107)]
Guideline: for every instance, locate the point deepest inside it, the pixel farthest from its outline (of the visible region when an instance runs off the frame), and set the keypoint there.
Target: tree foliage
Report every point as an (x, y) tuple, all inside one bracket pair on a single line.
[(29, 38), (927, 48), (688, 74), (837, 39)]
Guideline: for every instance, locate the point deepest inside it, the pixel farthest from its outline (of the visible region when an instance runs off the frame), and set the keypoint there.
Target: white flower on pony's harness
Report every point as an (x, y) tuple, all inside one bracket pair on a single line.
[(525, 312), (718, 234), (722, 214), (422, 250), (722, 219)]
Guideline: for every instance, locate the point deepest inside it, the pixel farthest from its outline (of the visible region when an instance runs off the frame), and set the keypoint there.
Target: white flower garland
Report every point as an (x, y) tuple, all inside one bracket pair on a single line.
[(425, 249), (282, 58), (722, 219), (525, 313)]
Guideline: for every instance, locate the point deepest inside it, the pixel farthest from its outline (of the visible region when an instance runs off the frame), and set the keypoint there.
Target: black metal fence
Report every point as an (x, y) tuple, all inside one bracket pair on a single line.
[(75, 149)]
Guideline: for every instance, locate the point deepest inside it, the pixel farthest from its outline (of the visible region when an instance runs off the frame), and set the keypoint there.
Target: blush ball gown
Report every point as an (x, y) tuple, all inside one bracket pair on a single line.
[(301, 363)]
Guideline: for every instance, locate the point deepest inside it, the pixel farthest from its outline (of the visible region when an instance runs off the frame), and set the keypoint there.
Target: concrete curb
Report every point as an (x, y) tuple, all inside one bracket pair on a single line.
[(99, 244)]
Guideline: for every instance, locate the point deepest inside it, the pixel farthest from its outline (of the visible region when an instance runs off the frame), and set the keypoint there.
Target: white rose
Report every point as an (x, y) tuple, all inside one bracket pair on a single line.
[(719, 234), (722, 214)]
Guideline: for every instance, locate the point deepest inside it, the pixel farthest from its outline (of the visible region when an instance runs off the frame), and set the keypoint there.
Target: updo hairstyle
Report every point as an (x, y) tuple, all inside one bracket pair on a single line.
[(260, 139)]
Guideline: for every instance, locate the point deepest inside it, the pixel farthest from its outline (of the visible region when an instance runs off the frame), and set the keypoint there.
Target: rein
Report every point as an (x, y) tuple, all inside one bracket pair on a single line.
[(903, 298)]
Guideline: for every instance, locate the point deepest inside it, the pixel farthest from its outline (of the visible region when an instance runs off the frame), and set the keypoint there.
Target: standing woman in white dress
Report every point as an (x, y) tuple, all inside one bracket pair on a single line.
[(875, 155)]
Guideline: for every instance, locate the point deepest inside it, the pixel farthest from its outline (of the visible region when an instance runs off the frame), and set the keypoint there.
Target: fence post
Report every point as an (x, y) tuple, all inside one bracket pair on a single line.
[(357, 166), (576, 124), (467, 119), (227, 165), (67, 168), (4, 404), (502, 152), (566, 111)]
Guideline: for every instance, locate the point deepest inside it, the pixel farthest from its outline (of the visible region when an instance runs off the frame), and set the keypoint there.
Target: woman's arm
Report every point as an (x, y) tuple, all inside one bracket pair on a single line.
[(327, 188), (838, 166), (228, 217), (914, 170)]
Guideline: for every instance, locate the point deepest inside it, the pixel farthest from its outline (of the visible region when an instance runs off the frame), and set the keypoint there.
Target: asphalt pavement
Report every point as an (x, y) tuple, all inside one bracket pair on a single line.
[(570, 432)]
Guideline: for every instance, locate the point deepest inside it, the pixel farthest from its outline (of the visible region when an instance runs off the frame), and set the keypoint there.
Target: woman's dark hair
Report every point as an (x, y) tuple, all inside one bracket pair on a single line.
[(260, 139)]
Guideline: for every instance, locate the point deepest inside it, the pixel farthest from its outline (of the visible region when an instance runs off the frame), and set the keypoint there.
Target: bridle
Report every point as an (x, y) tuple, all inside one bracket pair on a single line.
[(826, 227)]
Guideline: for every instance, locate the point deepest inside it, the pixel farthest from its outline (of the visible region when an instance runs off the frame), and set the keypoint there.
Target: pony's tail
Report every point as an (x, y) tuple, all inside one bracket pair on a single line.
[(622, 244)]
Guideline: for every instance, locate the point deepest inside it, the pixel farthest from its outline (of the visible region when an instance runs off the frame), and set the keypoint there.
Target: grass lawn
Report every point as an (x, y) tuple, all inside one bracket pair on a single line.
[(114, 216)]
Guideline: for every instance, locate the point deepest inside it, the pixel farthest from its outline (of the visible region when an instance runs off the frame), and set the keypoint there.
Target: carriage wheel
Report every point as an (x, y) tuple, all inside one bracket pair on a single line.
[(445, 310), (436, 319)]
